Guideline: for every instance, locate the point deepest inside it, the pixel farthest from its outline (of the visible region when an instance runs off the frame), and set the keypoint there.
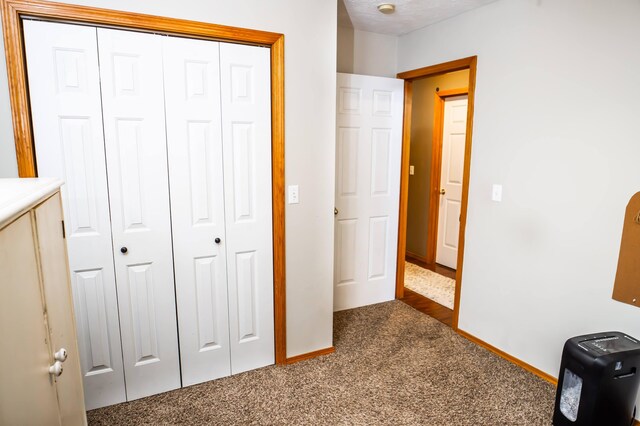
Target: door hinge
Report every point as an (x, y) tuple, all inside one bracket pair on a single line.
[(63, 233)]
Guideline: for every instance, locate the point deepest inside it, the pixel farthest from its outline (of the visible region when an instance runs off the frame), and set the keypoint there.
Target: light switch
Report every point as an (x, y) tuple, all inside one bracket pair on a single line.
[(496, 193), (293, 194), (411, 170)]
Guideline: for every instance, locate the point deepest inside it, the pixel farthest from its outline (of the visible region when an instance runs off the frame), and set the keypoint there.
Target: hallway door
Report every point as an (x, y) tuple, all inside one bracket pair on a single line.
[(452, 170)]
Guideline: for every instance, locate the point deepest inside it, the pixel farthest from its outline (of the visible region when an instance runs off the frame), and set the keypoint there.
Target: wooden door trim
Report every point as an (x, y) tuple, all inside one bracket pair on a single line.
[(436, 172), (433, 70), (13, 11), (309, 355), (469, 63), (404, 190)]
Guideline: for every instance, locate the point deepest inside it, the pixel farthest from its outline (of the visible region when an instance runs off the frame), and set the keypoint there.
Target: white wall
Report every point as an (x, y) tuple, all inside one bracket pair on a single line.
[(345, 50), (556, 123), (8, 164), (374, 54), (363, 52), (310, 83)]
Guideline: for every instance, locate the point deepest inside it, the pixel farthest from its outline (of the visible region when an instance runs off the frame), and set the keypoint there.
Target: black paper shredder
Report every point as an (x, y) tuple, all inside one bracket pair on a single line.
[(598, 381)]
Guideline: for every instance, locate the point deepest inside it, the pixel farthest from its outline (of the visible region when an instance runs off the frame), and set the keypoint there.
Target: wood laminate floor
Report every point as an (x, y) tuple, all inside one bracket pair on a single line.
[(426, 305)]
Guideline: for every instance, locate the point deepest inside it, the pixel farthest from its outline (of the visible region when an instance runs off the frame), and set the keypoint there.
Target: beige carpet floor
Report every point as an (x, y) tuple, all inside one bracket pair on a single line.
[(393, 366), (436, 287)]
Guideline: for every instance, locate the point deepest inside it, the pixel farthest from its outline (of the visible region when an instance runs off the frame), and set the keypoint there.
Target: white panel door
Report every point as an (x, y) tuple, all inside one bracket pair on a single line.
[(246, 135), (368, 151), (453, 143), (62, 64), (135, 140), (194, 139)]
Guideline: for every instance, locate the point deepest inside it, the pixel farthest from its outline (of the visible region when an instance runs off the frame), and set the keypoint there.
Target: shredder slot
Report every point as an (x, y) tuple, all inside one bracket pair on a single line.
[(626, 375)]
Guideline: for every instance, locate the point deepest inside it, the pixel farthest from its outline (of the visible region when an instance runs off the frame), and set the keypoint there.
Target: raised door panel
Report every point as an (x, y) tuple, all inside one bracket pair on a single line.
[(452, 221), (246, 135), (134, 129), (59, 306), (64, 87), (378, 247), (194, 140), (351, 191), (346, 246), (27, 393), (369, 144)]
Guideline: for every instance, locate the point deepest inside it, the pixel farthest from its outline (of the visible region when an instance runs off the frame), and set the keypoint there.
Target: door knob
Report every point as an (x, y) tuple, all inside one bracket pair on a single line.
[(335, 211), (56, 368), (217, 240), (61, 355), (124, 250), (442, 191)]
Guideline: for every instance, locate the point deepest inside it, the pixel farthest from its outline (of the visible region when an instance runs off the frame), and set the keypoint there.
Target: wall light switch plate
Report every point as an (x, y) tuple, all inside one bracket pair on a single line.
[(293, 194), (411, 170), (496, 193)]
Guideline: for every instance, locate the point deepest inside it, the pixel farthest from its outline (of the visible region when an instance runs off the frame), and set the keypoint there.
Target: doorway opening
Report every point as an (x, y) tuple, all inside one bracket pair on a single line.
[(438, 120)]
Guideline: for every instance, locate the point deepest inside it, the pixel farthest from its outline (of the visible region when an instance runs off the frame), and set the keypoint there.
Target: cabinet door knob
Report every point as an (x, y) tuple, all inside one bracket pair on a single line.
[(217, 240), (124, 250), (56, 369), (61, 355)]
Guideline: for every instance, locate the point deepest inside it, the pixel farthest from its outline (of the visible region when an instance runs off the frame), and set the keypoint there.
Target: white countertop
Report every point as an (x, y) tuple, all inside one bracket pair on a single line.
[(17, 195)]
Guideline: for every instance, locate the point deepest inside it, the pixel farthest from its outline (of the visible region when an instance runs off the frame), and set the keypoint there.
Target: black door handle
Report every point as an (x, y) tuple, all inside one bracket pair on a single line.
[(124, 250)]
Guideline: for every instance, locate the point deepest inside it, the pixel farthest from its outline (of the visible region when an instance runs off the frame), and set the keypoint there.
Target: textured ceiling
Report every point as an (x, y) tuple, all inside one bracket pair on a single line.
[(409, 15)]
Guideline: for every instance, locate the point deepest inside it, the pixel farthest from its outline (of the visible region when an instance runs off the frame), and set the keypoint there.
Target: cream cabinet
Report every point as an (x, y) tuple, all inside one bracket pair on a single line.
[(41, 383)]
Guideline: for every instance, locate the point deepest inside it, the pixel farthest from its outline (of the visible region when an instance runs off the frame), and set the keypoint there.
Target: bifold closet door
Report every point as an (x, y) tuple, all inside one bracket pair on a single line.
[(246, 136), (221, 204), (98, 99), (194, 140), (64, 87), (134, 130)]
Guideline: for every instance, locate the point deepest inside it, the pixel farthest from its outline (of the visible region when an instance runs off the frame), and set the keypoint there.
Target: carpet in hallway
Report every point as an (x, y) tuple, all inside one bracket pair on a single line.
[(393, 366), (434, 286)]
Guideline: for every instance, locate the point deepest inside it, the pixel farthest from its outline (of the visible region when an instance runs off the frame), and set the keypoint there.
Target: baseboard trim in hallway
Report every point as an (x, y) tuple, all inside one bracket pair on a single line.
[(549, 378), (309, 355), (412, 257)]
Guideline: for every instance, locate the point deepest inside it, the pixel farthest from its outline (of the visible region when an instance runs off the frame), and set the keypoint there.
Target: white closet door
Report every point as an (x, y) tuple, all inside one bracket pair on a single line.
[(62, 64), (134, 128), (192, 99), (246, 135)]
